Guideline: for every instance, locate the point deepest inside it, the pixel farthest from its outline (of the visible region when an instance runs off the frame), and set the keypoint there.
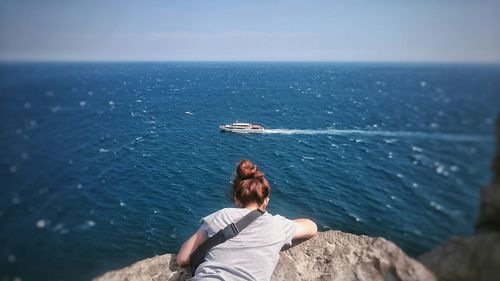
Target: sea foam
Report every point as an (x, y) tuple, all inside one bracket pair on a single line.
[(392, 134)]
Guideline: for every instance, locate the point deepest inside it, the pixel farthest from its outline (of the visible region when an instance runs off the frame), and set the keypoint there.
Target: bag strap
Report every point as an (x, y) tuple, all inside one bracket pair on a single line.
[(231, 230), (248, 219)]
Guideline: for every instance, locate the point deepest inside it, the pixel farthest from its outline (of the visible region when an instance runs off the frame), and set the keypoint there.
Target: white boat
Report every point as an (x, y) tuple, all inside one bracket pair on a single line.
[(239, 127)]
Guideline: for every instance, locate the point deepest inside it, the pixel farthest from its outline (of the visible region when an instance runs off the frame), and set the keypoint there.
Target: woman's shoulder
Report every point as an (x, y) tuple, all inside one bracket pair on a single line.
[(230, 214), (214, 214), (223, 213), (278, 217), (231, 211)]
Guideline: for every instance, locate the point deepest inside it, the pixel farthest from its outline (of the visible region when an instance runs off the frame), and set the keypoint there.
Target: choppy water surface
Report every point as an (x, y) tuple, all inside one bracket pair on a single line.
[(106, 164)]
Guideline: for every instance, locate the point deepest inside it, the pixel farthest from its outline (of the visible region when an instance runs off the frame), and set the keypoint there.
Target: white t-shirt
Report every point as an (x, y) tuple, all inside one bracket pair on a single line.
[(250, 255)]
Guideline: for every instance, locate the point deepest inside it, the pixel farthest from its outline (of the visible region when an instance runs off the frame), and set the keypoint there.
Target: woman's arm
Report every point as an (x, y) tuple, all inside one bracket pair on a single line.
[(306, 228), (190, 246)]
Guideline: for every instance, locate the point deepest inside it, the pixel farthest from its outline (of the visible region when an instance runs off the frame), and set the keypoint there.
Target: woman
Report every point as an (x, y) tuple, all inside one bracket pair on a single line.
[(254, 252)]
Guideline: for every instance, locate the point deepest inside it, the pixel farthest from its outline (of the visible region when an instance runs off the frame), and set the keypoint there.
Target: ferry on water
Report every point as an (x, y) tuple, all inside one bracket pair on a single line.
[(239, 127)]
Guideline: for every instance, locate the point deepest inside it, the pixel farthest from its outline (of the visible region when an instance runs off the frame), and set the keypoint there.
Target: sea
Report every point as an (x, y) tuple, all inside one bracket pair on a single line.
[(104, 164)]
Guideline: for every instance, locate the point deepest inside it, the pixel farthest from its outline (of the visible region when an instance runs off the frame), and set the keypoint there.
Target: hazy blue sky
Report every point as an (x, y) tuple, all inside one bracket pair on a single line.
[(399, 30)]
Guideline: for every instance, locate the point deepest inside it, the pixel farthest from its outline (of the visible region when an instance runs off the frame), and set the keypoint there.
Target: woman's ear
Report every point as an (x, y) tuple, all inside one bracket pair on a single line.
[(266, 201), (237, 202)]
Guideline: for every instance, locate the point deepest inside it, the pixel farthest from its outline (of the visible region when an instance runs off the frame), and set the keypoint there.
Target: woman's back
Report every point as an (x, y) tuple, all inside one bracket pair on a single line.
[(254, 252), (250, 255)]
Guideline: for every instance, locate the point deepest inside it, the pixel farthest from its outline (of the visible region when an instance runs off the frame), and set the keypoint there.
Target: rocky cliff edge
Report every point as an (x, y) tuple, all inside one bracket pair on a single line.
[(331, 255), (474, 257)]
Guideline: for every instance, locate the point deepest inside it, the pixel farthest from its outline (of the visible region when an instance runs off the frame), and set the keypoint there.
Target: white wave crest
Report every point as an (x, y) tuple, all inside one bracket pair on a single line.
[(393, 134)]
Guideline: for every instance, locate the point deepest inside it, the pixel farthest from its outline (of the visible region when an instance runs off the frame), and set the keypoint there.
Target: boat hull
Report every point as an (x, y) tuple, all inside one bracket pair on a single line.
[(242, 131)]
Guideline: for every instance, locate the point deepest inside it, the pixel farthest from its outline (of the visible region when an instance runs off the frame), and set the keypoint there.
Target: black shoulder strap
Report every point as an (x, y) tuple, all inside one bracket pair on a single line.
[(248, 219), (231, 230)]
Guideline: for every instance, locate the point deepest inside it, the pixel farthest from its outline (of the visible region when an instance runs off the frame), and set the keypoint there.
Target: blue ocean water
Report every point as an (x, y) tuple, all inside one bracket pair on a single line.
[(103, 164)]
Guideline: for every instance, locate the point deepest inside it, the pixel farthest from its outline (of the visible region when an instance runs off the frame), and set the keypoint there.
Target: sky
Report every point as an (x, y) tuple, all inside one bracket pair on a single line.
[(272, 30)]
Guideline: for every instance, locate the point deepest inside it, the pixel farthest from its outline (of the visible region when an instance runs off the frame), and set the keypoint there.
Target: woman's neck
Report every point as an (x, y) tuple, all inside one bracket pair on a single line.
[(253, 206)]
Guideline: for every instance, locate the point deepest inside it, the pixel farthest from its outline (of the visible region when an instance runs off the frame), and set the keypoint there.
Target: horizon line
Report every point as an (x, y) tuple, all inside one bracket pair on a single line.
[(471, 62)]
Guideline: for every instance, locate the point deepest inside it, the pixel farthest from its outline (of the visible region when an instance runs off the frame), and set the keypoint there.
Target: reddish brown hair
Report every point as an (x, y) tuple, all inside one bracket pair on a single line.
[(249, 184)]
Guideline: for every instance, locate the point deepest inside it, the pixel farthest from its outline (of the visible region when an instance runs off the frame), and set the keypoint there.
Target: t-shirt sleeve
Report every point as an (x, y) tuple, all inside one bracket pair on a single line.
[(206, 222), (289, 228)]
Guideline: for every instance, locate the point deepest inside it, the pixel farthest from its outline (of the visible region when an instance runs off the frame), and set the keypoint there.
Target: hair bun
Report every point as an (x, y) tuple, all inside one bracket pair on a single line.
[(249, 185), (246, 169)]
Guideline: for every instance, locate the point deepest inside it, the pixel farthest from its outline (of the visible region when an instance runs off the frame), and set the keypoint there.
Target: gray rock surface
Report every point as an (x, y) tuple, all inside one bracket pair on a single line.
[(489, 213), (475, 257), (331, 255), (335, 255), (156, 268)]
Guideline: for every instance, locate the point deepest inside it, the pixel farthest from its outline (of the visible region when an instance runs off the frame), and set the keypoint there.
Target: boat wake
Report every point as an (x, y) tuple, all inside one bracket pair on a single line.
[(391, 134)]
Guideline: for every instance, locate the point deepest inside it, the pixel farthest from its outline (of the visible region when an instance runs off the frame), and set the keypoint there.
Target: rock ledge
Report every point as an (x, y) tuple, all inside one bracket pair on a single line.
[(331, 255), (474, 257)]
